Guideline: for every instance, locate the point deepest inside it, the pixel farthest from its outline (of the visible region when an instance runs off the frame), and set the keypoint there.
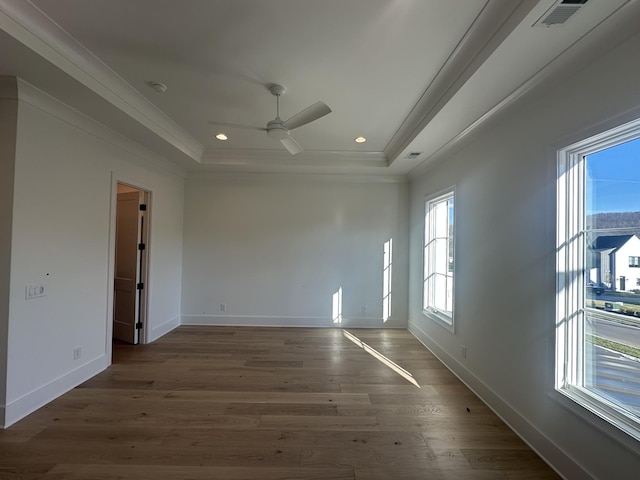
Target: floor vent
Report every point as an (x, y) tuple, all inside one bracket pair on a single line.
[(560, 13)]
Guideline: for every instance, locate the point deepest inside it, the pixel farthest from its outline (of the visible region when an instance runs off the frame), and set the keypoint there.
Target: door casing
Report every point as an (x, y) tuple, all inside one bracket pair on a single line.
[(144, 271)]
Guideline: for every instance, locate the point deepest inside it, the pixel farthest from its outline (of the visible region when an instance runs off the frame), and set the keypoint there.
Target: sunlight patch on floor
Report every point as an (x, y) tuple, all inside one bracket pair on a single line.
[(380, 357)]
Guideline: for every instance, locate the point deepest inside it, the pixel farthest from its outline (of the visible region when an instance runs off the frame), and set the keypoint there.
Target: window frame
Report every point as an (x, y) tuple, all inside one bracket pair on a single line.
[(571, 312), (442, 317)]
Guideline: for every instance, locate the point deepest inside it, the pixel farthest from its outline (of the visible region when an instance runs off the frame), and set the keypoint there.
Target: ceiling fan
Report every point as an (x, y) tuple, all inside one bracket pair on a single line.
[(279, 129)]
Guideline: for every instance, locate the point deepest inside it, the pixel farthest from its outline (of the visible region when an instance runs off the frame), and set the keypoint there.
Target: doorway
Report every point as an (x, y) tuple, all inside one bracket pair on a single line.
[(130, 265)]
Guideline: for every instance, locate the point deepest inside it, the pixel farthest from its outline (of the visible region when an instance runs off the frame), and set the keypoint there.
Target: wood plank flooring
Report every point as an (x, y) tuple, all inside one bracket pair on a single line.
[(270, 404)]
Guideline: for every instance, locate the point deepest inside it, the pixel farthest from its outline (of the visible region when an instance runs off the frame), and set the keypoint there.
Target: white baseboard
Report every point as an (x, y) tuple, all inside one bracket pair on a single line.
[(556, 458), (274, 321), (158, 331), (29, 403)]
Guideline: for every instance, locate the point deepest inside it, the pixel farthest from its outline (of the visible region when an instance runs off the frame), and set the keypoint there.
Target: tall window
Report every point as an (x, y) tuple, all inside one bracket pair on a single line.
[(598, 305), (439, 258)]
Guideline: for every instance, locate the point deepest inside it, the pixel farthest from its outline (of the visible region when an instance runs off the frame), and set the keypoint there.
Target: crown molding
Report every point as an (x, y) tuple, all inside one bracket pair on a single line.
[(592, 44), (35, 97), (226, 178), (479, 42), (308, 158), (30, 26)]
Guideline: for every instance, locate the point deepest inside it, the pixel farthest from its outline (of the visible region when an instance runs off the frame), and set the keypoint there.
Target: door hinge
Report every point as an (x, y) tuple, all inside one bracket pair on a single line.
[(140, 286), (141, 246), (139, 326), (143, 207)]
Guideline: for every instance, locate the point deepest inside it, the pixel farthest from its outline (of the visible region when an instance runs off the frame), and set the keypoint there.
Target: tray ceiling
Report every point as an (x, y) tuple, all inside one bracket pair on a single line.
[(412, 76)]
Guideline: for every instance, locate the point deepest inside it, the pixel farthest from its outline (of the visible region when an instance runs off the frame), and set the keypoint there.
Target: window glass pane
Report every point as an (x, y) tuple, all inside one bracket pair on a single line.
[(426, 262), (611, 336), (441, 260), (438, 257), (441, 220), (450, 233), (440, 292)]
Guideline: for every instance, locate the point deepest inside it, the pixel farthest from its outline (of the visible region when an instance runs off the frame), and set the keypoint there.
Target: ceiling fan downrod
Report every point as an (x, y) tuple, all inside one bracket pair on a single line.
[(277, 91)]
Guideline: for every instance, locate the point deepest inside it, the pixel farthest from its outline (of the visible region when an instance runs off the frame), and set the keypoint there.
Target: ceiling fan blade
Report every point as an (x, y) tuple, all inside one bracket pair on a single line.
[(291, 145), (238, 125), (309, 114)]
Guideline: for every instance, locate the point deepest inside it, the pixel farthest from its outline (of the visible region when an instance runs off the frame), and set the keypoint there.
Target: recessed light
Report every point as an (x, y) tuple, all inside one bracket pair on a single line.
[(359, 139), (221, 136)]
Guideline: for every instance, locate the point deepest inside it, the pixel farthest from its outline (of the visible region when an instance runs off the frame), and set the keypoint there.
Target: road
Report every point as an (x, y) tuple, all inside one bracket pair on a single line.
[(617, 332), (617, 376)]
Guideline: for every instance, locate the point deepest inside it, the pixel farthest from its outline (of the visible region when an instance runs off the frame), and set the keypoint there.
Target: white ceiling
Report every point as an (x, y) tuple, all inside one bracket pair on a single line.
[(409, 75)]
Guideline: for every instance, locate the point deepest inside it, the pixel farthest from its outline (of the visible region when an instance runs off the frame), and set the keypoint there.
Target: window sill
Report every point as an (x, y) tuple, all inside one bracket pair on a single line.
[(603, 415), (440, 317)]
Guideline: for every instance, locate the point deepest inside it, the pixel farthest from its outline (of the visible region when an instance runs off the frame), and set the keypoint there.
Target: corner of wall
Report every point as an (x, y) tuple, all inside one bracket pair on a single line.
[(8, 132), (160, 330)]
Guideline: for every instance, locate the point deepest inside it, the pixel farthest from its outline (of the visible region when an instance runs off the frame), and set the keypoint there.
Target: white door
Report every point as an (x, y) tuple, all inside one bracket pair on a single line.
[(127, 285)]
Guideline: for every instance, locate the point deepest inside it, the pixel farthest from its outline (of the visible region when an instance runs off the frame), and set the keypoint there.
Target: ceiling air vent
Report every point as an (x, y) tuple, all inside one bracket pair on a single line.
[(413, 155), (560, 13)]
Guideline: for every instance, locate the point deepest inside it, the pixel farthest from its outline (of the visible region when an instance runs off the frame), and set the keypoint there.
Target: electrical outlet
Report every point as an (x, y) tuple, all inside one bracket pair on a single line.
[(363, 309), (463, 350), (223, 307), (77, 353)]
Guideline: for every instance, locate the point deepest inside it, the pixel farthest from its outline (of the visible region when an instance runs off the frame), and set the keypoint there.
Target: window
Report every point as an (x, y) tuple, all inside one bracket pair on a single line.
[(598, 308), (438, 259)]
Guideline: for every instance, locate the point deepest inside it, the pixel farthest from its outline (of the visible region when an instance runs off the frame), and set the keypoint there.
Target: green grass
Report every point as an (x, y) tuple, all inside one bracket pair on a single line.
[(615, 346)]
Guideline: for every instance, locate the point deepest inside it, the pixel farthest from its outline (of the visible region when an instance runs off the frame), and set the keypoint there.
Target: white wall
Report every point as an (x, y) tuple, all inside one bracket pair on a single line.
[(505, 264), (275, 249), (8, 119), (65, 171)]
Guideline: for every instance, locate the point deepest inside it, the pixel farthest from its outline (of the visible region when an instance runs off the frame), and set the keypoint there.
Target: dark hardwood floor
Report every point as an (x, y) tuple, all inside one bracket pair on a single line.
[(270, 404)]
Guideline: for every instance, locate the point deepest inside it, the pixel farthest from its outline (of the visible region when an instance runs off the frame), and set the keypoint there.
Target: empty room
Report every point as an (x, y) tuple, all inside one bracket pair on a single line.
[(338, 239)]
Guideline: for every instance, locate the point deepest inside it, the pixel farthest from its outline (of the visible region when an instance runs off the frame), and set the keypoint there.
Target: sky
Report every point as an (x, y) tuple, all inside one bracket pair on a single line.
[(615, 179)]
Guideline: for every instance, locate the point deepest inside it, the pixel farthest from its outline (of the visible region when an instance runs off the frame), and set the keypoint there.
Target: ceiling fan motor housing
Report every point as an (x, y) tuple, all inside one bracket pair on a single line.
[(277, 90), (276, 130)]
